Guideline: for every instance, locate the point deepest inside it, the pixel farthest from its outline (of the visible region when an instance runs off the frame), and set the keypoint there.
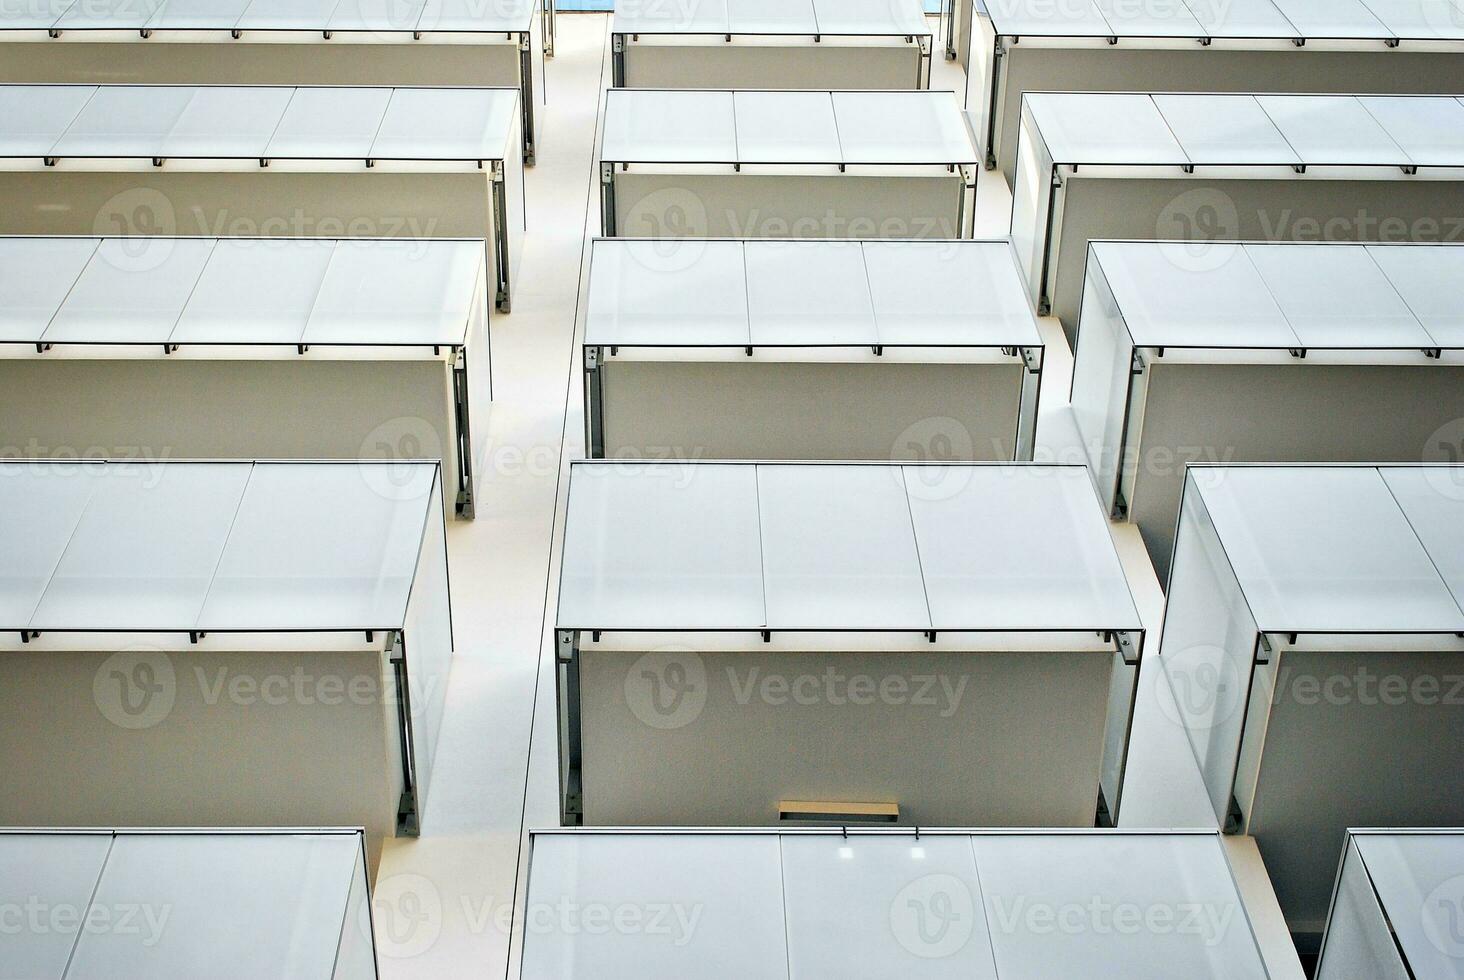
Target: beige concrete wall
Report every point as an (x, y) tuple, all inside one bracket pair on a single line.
[(223, 739), (183, 408), (956, 739), (1279, 413), (334, 62), (1353, 753), (766, 206), (1308, 210), (716, 63), (811, 411)]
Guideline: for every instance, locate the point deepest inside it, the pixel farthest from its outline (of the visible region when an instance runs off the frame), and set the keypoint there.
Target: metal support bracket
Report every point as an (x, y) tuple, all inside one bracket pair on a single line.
[(1102, 816), (502, 298), (464, 503), (617, 60), (567, 684), (1264, 651), (1120, 506), (594, 402), (998, 55), (1126, 647), (408, 818), (607, 199), (526, 99), (1234, 817)]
